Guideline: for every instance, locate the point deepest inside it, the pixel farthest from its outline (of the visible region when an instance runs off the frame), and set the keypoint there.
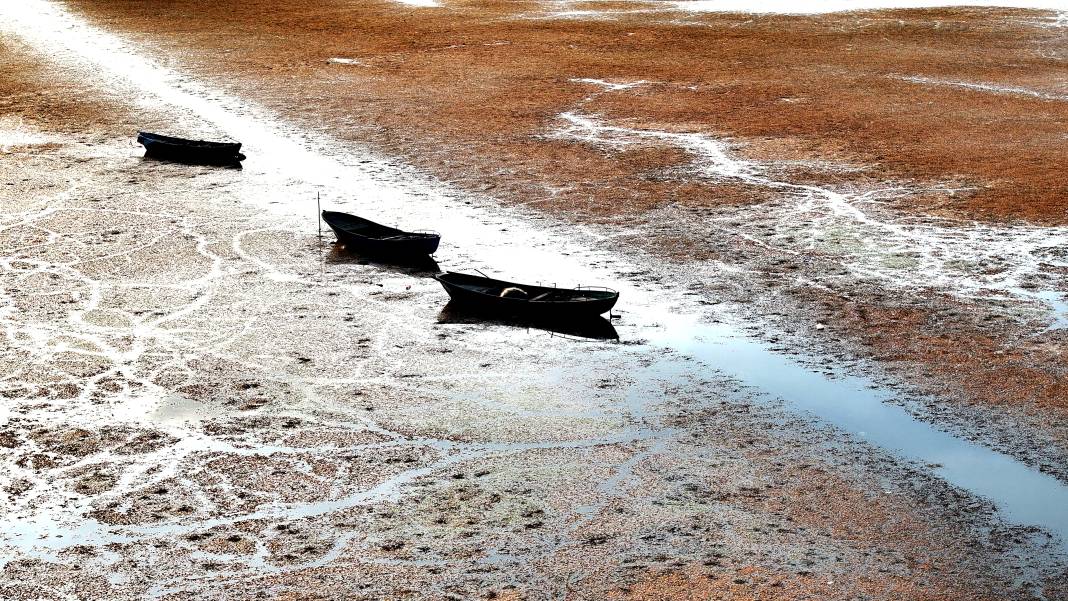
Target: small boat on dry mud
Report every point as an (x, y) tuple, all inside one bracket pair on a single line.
[(479, 293), (196, 152), (367, 237)]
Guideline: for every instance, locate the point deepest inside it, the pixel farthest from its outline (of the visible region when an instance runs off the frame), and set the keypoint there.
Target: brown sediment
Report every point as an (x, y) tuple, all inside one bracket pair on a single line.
[(469, 91), (473, 92), (902, 551), (752, 583), (68, 105), (981, 363), (522, 502), (967, 355)]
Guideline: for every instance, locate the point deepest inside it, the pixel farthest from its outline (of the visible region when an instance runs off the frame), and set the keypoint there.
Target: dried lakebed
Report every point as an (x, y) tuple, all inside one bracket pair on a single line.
[(199, 395), (171, 431)]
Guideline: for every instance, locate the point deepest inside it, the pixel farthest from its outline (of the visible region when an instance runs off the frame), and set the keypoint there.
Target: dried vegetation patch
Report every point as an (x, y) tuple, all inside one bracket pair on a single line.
[(469, 90)]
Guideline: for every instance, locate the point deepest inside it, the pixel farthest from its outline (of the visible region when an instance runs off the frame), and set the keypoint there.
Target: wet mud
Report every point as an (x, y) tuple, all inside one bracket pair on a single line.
[(202, 398)]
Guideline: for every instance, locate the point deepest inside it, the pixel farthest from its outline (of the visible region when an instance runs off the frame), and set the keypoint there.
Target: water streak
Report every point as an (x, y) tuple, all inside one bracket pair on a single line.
[(983, 87)]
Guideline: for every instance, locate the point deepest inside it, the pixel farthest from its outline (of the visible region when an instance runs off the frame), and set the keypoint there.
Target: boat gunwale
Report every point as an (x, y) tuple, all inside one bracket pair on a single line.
[(484, 290), (176, 141), (400, 235)]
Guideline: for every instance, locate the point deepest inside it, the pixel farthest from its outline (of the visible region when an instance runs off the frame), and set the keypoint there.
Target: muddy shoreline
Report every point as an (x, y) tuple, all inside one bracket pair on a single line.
[(238, 409), (458, 97)]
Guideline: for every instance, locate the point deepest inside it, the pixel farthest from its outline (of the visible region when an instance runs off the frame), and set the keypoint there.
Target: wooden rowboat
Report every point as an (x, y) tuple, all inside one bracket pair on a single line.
[(367, 237), (197, 152), (479, 293)]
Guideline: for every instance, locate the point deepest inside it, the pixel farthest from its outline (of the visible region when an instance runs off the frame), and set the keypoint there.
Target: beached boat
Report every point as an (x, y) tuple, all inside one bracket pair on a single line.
[(479, 293), (367, 237), (197, 152)]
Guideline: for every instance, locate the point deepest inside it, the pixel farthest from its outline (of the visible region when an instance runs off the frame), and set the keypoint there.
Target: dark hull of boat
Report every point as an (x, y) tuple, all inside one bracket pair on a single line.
[(477, 294), (417, 265), (593, 327), (368, 238), (194, 152), (386, 248)]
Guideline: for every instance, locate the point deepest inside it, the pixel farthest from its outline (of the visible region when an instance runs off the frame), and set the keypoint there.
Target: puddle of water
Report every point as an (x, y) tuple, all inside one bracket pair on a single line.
[(547, 254), (1058, 304), (170, 410)]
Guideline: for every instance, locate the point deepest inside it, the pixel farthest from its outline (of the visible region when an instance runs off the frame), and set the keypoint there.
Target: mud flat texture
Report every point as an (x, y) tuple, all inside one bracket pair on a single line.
[(203, 399), (897, 178)]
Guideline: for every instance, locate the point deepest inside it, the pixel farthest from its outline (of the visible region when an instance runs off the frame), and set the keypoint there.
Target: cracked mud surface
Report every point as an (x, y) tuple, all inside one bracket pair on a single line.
[(201, 400)]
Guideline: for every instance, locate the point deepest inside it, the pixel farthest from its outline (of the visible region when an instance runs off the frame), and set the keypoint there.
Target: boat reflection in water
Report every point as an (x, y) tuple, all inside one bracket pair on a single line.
[(592, 327), (423, 265)]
